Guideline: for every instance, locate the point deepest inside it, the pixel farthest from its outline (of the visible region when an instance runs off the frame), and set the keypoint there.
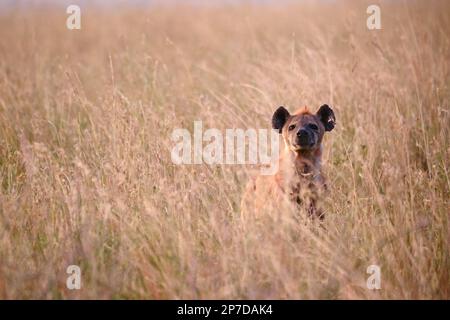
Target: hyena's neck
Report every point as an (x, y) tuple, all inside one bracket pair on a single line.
[(305, 162)]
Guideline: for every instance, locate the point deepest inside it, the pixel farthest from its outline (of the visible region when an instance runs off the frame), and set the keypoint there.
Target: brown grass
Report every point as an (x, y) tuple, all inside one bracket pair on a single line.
[(86, 175)]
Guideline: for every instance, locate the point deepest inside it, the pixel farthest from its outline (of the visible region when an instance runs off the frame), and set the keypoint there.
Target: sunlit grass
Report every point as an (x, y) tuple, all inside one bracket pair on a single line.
[(87, 179)]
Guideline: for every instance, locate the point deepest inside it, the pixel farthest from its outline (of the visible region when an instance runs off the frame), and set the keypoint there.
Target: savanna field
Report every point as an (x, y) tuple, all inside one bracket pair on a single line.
[(86, 118)]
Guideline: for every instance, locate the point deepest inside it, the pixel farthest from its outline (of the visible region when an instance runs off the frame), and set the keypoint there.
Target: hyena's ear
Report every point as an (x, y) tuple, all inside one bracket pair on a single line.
[(279, 118), (326, 116)]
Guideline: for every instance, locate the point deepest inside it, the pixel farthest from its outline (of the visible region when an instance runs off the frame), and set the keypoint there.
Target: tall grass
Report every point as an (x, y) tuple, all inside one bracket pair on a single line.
[(86, 175)]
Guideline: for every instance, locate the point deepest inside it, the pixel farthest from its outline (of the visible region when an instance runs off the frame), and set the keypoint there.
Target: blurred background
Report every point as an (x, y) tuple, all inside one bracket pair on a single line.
[(86, 177)]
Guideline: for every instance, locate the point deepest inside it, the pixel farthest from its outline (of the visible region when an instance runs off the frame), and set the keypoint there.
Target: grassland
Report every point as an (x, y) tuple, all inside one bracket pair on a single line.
[(86, 175)]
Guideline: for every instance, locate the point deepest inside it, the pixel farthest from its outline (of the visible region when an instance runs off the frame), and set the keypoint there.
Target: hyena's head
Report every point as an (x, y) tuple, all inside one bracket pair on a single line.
[(303, 130)]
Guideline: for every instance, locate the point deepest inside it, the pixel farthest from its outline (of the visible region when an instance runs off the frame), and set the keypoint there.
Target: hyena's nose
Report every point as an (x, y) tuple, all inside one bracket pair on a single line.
[(303, 136), (302, 133)]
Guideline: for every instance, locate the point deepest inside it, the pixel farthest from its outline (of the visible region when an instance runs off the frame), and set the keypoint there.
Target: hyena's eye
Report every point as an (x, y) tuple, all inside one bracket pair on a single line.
[(291, 127), (313, 126)]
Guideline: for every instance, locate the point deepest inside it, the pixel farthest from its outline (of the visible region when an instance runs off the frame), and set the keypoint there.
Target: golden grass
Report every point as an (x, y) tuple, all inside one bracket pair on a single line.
[(87, 179)]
